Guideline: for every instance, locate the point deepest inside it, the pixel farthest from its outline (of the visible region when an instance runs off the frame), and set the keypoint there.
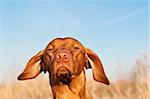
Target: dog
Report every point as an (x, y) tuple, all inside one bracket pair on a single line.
[(65, 59)]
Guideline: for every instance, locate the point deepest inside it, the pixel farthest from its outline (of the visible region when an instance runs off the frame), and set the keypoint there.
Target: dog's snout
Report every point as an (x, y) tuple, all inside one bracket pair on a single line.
[(62, 57)]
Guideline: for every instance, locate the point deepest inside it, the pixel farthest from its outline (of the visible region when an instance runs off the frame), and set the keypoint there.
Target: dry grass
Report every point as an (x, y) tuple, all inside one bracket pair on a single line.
[(33, 89), (137, 87)]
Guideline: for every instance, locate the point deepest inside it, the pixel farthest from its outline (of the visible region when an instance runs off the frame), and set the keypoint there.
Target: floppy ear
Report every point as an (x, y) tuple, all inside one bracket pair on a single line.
[(92, 60), (33, 67)]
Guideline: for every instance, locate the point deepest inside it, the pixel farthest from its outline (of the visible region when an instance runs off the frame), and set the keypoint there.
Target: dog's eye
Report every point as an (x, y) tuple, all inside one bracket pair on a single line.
[(50, 48), (76, 46)]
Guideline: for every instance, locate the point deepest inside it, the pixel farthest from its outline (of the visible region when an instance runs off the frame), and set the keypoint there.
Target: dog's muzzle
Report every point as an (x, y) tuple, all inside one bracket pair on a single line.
[(63, 75)]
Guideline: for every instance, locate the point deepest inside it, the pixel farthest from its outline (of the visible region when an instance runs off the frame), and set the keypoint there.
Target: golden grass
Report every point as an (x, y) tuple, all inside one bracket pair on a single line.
[(136, 87), (33, 89)]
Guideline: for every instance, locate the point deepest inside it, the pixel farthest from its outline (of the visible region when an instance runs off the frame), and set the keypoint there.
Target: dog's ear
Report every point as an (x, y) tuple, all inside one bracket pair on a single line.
[(93, 61), (33, 67)]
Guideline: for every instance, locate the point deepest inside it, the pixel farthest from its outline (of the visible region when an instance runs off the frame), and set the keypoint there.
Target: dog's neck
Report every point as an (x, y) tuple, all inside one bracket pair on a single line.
[(75, 90)]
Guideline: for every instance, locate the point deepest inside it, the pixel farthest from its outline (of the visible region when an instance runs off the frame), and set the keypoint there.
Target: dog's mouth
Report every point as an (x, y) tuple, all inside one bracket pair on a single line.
[(63, 75)]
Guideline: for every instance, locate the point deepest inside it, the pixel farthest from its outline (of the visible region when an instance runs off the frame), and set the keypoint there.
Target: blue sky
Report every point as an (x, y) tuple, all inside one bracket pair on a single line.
[(116, 30)]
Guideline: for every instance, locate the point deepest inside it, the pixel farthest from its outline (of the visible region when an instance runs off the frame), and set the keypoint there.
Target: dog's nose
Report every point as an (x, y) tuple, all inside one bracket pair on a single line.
[(62, 57)]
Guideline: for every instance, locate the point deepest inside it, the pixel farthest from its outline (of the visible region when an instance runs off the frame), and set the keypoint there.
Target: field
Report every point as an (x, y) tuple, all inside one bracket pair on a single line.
[(137, 86)]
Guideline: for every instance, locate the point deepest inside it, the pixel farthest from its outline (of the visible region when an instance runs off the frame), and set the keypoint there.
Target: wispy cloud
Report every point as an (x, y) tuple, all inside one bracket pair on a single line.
[(123, 17), (113, 21)]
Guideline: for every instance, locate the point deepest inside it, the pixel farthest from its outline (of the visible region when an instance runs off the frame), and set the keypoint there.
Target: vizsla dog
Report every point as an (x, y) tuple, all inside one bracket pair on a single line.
[(65, 60)]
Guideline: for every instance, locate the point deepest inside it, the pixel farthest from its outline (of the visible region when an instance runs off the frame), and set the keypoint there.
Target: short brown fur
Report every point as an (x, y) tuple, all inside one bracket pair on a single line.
[(65, 59)]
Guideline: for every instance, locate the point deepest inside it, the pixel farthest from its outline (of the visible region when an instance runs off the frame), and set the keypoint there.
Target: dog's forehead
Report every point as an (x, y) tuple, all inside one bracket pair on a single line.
[(64, 41)]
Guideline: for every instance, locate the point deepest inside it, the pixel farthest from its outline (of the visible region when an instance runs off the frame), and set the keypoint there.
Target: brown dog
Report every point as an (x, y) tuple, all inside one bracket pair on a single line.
[(65, 60)]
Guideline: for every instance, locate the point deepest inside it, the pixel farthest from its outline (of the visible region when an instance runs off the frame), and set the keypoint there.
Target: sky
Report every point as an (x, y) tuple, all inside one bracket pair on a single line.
[(117, 31)]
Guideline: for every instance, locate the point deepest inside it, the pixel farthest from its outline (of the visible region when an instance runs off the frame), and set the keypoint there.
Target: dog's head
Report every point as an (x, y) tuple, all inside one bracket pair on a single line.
[(64, 59)]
